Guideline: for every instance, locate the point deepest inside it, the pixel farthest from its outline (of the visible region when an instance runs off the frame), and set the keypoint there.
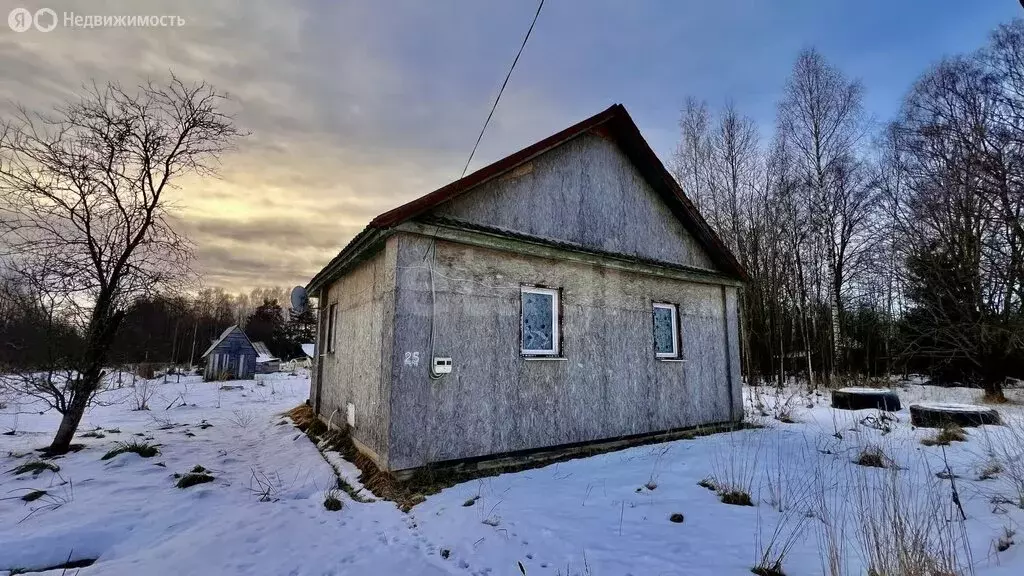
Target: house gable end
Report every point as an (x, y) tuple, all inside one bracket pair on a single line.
[(586, 192)]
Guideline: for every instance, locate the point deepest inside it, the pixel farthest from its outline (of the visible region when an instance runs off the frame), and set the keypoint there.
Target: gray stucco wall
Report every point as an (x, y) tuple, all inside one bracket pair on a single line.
[(609, 384), (359, 369), (585, 192)]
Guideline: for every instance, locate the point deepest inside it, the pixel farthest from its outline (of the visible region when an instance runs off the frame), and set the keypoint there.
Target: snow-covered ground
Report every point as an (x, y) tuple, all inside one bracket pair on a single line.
[(603, 515)]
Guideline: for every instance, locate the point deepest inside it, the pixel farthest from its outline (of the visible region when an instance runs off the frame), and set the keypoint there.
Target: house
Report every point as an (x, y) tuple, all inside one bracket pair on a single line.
[(231, 356), (265, 361), (566, 295)]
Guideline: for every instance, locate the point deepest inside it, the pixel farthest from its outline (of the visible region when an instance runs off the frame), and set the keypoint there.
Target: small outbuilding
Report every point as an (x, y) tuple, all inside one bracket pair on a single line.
[(230, 357), (265, 361)]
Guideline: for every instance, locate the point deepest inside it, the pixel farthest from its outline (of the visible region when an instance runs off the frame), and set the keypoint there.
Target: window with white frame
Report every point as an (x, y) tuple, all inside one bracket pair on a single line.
[(540, 322), (666, 330), (332, 326)]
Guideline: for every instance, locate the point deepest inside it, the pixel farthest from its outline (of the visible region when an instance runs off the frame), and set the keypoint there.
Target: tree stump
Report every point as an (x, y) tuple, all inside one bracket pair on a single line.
[(937, 415), (865, 398)]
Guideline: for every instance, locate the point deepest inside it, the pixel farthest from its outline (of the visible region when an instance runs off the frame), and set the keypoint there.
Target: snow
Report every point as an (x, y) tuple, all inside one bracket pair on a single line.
[(952, 407), (602, 515), (308, 350), (864, 390)]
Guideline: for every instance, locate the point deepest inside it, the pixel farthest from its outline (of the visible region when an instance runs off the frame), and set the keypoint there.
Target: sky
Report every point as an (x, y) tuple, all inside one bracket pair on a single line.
[(354, 107)]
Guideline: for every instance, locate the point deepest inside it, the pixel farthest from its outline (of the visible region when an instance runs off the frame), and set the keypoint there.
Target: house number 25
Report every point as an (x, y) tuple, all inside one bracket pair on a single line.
[(412, 358)]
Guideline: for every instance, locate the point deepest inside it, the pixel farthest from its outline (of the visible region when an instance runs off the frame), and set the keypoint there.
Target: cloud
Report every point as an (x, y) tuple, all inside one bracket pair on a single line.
[(341, 128)]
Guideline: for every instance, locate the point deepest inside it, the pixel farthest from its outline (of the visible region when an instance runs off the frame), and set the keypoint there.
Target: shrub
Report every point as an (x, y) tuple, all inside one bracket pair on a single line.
[(141, 448), (142, 393)]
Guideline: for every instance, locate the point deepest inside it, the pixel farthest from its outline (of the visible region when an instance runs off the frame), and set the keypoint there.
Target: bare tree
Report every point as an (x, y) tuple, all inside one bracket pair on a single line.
[(960, 229), (84, 196), (821, 117)]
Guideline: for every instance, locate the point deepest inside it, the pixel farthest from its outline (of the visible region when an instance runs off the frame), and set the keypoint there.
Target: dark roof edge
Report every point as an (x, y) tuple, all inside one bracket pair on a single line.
[(366, 238)]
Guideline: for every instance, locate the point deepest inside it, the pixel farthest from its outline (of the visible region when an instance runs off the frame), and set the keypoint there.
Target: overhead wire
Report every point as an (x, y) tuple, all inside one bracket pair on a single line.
[(431, 246)]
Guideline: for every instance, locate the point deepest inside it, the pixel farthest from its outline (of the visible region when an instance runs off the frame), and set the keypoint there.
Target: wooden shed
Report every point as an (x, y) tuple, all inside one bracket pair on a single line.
[(230, 357)]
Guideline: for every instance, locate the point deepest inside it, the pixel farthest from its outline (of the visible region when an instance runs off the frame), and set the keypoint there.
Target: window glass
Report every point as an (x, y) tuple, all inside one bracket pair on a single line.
[(539, 321), (664, 330)]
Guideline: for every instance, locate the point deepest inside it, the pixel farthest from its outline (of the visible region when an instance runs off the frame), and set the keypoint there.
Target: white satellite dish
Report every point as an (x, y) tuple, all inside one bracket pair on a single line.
[(300, 300)]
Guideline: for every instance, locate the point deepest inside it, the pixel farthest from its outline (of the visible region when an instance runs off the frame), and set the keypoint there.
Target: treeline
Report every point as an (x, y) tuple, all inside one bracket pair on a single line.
[(875, 249), (36, 334)]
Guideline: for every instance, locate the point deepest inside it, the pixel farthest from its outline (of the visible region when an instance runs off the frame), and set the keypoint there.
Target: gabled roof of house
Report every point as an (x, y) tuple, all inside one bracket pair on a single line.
[(614, 123), (224, 335)]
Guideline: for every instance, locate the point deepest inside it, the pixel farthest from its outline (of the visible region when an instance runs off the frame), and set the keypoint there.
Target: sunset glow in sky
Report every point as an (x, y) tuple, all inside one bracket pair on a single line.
[(355, 107)]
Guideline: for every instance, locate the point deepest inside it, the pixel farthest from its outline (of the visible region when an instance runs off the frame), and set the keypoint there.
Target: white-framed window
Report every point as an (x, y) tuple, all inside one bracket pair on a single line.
[(332, 325), (539, 326), (666, 330)]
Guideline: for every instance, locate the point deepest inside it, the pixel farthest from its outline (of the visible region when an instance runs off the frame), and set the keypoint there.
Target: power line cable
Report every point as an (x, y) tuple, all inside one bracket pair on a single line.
[(431, 246), (502, 90)]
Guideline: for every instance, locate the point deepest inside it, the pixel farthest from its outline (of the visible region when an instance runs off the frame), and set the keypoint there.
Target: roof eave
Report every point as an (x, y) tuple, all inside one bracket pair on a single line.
[(351, 253)]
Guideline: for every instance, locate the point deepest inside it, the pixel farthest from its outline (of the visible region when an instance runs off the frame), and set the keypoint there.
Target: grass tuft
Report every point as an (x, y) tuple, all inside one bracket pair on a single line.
[(709, 484), (1005, 540), (872, 457), (736, 498), (775, 570), (331, 500), (141, 448), (36, 467), (471, 501), (198, 475), (949, 433), (34, 495), (990, 470)]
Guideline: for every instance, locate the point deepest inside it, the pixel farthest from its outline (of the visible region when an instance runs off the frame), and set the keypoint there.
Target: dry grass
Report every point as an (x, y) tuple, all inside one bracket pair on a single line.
[(34, 495), (948, 434), (432, 479), (141, 448), (904, 528), (736, 498), (35, 467), (198, 475), (331, 500), (873, 456)]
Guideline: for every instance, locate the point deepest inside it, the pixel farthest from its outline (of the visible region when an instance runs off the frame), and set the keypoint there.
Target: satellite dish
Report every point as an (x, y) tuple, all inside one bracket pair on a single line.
[(300, 300)]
